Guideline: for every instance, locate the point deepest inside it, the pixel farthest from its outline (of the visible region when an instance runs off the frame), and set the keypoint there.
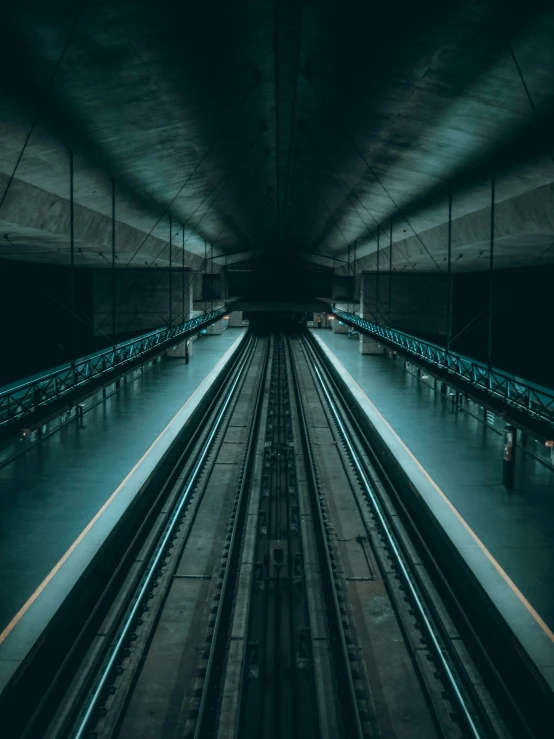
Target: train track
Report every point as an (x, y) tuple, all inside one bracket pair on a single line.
[(276, 592)]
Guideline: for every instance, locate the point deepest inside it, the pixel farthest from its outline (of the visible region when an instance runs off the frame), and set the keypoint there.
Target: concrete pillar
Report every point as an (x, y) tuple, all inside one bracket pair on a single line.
[(339, 327), (321, 320), (370, 346), (218, 327), (215, 329), (235, 319), (181, 350), (142, 300), (417, 303)]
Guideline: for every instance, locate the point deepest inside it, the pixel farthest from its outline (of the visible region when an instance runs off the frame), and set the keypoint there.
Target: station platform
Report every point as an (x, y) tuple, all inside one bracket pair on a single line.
[(60, 498), (507, 536)]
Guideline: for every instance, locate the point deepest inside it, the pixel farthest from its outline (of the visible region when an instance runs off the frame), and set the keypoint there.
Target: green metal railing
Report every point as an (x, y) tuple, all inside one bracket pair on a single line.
[(22, 399), (535, 401)]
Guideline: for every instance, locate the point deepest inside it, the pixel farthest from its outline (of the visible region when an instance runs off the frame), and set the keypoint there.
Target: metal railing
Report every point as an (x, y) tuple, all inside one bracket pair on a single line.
[(527, 397), (20, 400)]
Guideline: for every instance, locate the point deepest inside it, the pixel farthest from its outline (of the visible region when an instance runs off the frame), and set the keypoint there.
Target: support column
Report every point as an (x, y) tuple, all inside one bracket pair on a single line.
[(170, 275), (235, 319), (72, 256), (182, 350), (183, 313), (218, 327), (114, 340), (321, 320), (491, 277), (339, 327), (377, 310), (449, 277), (370, 346), (390, 274)]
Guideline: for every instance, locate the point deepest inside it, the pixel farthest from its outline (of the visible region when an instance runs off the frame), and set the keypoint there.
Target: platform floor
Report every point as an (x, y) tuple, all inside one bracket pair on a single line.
[(464, 457), (50, 493)]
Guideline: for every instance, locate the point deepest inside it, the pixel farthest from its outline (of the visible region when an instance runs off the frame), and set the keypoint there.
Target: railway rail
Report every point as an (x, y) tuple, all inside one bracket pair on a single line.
[(273, 590)]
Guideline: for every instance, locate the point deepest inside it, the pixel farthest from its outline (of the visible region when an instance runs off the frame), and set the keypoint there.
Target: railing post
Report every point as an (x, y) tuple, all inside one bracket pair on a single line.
[(113, 268), (72, 255), (390, 275), (170, 275), (449, 278), (183, 276), (377, 313), (491, 275)]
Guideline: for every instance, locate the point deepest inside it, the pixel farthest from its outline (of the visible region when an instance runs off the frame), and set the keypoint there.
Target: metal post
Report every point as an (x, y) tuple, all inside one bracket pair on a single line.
[(170, 278), (354, 293), (377, 313), (205, 271), (390, 275), (449, 274), (491, 275), (212, 276), (72, 254), (113, 268), (183, 275), (349, 305)]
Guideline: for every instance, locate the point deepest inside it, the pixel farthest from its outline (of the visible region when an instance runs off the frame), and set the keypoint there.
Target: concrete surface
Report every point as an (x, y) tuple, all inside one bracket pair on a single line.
[(49, 494), (504, 538), (464, 457), (141, 299), (279, 140)]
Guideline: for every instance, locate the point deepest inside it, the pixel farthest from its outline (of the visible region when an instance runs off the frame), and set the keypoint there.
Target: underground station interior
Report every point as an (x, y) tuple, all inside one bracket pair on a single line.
[(276, 389)]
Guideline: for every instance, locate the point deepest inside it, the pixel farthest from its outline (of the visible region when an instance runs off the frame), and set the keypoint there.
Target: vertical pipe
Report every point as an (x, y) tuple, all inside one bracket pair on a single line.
[(449, 276), (491, 275), (113, 267), (354, 293), (348, 310), (390, 274), (183, 276), (377, 314), (212, 275), (72, 254), (205, 272), (170, 275)]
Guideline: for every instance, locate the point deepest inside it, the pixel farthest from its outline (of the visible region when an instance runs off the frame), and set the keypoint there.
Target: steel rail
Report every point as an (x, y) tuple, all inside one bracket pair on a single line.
[(83, 722), (396, 551), (352, 715), (227, 590)]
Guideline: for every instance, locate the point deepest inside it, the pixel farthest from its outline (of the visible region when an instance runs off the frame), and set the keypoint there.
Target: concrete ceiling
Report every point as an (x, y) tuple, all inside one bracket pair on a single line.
[(275, 131)]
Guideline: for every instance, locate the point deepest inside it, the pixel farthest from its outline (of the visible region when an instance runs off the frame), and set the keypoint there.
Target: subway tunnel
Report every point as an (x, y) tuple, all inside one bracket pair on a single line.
[(276, 397)]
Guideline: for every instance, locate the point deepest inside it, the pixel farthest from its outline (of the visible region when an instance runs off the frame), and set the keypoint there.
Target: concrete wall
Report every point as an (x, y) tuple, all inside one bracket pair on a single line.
[(218, 327), (235, 318), (417, 302), (321, 320), (141, 300), (36, 326)]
